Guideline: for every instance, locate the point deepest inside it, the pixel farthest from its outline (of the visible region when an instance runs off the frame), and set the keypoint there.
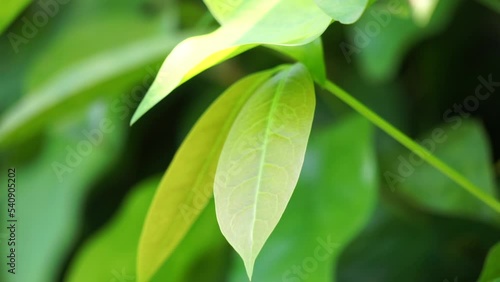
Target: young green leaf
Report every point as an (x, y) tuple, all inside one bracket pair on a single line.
[(187, 186), (310, 54), (343, 11), (261, 160), (491, 269), (276, 22), (334, 199)]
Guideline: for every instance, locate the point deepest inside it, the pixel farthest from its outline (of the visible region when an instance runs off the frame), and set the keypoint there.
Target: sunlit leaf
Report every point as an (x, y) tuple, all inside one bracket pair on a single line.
[(334, 198), (261, 160), (187, 185), (491, 269), (311, 54), (112, 252), (423, 10), (466, 149), (277, 22), (343, 11)]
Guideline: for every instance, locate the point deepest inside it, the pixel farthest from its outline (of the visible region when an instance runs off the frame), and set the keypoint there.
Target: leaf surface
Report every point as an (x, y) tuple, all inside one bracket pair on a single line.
[(334, 199), (491, 270), (253, 22), (465, 148), (112, 252), (346, 12), (187, 186), (261, 160), (10, 10)]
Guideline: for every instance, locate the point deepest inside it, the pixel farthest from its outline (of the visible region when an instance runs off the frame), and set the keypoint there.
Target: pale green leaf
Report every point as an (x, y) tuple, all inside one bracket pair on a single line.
[(261, 160), (277, 22), (422, 10), (346, 12), (187, 185), (311, 54), (491, 269), (334, 198), (112, 252)]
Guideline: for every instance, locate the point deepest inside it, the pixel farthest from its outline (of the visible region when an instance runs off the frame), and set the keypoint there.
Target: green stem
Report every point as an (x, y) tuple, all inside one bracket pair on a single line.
[(413, 146)]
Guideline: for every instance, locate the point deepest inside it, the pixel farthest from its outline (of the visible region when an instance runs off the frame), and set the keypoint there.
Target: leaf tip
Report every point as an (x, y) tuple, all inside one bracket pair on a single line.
[(249, 268)]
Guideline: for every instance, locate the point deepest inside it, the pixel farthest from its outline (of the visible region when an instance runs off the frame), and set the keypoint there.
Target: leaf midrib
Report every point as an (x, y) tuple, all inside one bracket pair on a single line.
[(277, 96)]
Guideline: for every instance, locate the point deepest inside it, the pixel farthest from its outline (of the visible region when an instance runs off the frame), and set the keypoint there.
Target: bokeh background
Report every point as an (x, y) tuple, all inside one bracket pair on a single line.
[(73, 72)]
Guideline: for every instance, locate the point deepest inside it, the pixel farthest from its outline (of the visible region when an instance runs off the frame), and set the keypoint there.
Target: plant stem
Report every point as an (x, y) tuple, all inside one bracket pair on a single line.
[(412, 146)]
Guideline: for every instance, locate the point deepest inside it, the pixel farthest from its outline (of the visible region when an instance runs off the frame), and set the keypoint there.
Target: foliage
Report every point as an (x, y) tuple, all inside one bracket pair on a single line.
[(284, 168)]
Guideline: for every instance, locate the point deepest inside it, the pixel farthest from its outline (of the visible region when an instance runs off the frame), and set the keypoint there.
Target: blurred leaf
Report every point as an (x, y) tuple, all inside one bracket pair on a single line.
[(188, 183), (385, 33), (423, 10), (334, 198), (406, 245), (10, 10), (491, 270), (466, 148), (277, 22), (67, 76), (52, 189), (492, 4), (111, 253), (261, 160), (346, 12), (311, 55), (78, 86)]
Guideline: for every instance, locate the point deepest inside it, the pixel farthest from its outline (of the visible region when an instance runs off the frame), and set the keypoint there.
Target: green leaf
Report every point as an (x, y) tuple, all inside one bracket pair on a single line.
[(55, 185), (346, 12), (187, 185), (492, 4), (491, 269), (78, 86), (467, 149), (10, 10), (423, 10), (66, 76), (381, 53), (276, 22), (311, 55), (261, 160), (334, 198), (112, 252)]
